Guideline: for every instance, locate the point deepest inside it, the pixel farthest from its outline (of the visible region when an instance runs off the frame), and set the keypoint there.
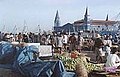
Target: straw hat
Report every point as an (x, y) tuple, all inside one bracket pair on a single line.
[(98, 36)]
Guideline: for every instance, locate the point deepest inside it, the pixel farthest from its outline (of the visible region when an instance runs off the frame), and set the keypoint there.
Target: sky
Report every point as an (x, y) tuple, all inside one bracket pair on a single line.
[(32, 13)]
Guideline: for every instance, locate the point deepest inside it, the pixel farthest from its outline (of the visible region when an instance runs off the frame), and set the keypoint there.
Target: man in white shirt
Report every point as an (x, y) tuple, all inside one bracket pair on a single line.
[(113, 59), (107, 41), (65, 41)]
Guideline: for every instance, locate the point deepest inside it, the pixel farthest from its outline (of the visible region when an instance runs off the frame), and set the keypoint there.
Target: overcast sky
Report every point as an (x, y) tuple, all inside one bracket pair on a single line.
[(42, 12)]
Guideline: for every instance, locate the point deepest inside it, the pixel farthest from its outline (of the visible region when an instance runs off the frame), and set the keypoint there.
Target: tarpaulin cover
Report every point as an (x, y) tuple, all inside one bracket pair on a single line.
[(20, 59), (7, 55), (45, 69)]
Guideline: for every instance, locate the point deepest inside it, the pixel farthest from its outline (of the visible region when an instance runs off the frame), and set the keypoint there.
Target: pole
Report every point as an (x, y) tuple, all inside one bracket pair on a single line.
[(3, 28)]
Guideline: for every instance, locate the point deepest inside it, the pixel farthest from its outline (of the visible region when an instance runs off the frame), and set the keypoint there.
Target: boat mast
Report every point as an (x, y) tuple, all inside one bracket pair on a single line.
[(14, 29), (3, 29), (25, 28)]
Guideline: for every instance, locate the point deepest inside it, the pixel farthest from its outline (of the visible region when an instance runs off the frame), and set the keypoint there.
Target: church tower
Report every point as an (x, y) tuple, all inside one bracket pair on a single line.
[(106, 23), (107, 18), (86, 20), (57, 20)]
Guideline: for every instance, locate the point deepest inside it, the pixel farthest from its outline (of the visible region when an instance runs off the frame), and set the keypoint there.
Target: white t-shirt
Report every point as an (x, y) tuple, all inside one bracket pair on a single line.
[(108, 49), (109, 42), (65, 39), (112, 59), (60, 44), (102, 53), (8, 36)]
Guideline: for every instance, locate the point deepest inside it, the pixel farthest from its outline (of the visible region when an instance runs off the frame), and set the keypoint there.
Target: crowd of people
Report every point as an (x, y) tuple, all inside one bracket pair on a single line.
[(107, 51), (63, 41), (101, 45)]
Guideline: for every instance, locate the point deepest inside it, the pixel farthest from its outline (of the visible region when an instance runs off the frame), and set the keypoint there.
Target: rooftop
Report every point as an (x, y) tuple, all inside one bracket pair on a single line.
[(96, 22)]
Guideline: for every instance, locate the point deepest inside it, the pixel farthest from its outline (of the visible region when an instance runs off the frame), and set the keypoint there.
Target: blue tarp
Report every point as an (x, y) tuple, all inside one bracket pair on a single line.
[(46, 69), (7, 55), (21, 60)]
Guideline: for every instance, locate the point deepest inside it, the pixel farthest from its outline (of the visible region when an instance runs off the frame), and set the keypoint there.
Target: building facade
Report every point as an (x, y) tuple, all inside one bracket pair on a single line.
[(87, 24)]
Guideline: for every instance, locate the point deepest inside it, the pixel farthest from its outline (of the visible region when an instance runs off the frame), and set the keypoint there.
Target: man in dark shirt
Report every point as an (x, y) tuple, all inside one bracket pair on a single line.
[(72, 41), (98, 44)]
